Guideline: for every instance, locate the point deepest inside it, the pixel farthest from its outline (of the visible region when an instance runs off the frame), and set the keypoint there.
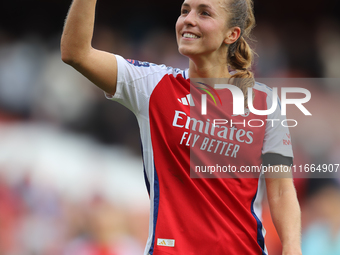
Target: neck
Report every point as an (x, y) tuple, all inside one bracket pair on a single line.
[(199, 68)]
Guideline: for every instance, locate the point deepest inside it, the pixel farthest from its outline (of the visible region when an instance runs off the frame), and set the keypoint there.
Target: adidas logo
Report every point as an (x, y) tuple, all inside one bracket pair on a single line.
[(166, 242), (187, 100)]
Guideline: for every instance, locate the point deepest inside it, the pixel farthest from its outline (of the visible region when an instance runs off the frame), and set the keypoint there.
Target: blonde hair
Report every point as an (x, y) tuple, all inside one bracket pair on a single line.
[(240, 55)]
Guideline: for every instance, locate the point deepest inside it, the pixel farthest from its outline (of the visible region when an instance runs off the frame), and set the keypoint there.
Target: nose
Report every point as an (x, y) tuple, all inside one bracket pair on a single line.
[(190, 19)]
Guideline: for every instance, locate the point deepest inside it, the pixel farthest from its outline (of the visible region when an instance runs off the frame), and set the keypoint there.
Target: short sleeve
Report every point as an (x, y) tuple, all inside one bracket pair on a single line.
[(136, 81), (277, 139)]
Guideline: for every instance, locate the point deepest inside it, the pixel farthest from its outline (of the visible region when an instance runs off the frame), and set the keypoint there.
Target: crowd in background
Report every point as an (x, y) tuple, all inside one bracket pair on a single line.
[(71, 177)]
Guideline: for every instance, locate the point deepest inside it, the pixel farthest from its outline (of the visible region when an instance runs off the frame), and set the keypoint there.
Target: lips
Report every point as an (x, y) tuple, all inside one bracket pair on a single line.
[(190, 35)]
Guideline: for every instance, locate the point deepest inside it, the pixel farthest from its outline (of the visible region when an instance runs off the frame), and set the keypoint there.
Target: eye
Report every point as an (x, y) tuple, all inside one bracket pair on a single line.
[(205, 13), (184, 11)]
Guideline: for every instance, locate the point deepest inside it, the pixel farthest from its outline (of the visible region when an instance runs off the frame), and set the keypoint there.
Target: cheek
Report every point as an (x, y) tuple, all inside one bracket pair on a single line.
[(214, 33), (179, 25), (213, 39)]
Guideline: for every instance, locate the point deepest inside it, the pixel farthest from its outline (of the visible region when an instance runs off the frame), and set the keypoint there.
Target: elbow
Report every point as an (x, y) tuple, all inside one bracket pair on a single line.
[(71, 59), (73, 51), (67, 57), (70, 55), (67, 53)]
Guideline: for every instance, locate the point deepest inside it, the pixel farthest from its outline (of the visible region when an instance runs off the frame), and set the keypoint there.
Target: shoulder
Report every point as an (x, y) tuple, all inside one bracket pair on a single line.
[(263, 87), (269, 93), (150, 68)]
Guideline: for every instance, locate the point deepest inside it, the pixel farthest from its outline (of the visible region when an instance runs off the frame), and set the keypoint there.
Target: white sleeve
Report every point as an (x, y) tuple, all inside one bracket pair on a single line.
[(136, 81), (277, 137)]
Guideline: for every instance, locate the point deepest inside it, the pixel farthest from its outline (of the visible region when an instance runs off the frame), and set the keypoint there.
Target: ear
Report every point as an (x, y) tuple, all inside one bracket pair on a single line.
[(232, 35)]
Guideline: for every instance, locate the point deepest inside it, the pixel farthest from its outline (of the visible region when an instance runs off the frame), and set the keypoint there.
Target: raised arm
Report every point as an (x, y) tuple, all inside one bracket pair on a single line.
[(98, 66), (285, 212)]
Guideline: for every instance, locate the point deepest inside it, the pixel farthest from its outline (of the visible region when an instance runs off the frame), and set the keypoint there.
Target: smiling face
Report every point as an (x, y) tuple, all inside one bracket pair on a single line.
[(202, 30)]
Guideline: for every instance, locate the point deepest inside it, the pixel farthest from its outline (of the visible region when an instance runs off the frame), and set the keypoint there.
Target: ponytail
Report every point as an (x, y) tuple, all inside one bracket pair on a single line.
[(240, 55)]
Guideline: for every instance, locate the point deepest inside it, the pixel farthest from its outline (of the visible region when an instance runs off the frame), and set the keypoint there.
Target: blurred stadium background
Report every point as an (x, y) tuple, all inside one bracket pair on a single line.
[(71, 178)]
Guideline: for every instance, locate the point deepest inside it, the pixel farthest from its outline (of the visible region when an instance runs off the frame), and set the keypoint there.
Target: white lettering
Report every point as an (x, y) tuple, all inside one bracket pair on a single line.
[(297, 102), (174, 123)]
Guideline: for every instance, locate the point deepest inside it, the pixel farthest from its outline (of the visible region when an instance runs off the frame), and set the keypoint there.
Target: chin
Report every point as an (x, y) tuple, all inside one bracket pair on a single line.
[(186, 51)]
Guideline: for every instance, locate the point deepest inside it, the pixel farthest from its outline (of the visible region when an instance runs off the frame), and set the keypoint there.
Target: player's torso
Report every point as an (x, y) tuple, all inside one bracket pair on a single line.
[(195, 215)]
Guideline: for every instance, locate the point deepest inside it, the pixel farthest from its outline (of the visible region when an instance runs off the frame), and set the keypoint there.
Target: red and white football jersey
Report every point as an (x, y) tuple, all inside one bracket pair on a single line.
[(197, 216)]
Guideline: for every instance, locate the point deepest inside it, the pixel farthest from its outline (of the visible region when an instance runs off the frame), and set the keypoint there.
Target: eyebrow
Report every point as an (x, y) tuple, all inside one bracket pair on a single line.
[(200, 6)]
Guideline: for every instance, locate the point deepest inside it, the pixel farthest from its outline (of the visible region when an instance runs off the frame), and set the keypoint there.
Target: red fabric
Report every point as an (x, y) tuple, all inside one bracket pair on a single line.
[(203, 216)]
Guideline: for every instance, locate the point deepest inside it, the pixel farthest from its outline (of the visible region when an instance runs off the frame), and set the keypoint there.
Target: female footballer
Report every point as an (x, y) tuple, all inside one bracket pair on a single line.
[(196, 216)]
